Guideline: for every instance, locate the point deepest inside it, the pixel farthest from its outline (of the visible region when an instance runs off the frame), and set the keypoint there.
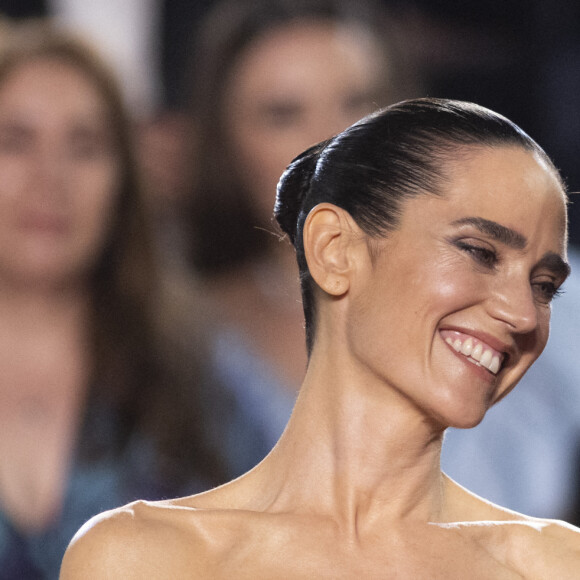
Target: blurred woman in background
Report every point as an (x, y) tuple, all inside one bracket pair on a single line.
[(269, 79), (96, 406)]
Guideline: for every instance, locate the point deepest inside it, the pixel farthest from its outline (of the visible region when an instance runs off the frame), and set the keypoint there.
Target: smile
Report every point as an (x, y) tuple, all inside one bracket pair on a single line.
[(474, 350)]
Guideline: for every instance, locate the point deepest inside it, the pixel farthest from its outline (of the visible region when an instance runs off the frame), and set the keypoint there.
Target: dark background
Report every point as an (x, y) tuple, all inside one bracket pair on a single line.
[(518, 57)]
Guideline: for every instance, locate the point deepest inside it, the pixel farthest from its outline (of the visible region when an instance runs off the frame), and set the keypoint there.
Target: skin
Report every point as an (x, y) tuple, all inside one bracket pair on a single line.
[(59, 179), (292, 87), (354, 487), (489, 300), (59, 174)]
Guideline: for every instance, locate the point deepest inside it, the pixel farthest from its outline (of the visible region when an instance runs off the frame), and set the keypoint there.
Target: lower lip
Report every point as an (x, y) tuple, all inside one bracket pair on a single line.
[(480, 371), (43, 225)]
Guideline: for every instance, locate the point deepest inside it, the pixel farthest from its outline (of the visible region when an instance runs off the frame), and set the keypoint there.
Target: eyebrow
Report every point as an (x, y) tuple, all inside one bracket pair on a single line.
[(499, 233), (514, 239)]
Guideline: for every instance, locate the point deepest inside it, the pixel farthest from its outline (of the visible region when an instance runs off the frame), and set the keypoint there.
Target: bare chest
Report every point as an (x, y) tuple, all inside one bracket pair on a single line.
[(336, 567), (421, 557)]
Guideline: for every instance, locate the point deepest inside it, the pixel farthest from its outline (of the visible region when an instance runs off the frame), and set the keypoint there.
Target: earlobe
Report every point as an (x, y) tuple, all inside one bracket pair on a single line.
[(328, 235)]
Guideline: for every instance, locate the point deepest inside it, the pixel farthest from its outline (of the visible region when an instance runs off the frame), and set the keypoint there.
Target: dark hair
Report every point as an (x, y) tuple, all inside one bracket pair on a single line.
[(374, 166), (221, 219), (131, 374)]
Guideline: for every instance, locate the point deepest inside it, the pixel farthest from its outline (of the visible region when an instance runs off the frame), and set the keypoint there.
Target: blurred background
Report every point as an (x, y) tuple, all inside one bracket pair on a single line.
[(189, 368), (518, 57)]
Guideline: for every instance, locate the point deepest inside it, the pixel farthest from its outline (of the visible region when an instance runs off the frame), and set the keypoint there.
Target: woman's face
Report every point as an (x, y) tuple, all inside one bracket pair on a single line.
[(468, 277), (59, 173), (293, 87)]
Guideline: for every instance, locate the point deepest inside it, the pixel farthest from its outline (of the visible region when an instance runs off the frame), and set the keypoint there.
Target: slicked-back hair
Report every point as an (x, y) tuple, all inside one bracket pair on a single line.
[(374, 166)]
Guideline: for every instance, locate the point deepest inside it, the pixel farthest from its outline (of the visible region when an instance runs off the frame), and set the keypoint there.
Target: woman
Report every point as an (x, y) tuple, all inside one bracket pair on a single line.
[(431, 239), (93, 411), (270, 78)]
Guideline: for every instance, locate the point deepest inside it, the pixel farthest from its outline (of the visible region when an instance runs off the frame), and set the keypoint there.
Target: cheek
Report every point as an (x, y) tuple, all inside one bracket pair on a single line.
[(96, 206), (437, 288), (260, 162), (535, 343), (15, 175), (404, 310)]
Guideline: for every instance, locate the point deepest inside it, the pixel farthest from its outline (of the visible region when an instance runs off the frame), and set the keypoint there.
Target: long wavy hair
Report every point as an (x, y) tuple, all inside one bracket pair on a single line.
[(132, 372)]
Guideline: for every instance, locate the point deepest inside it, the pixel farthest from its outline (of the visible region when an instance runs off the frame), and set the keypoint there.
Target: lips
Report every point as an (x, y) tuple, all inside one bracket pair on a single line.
[(474, 349), (43, 222)]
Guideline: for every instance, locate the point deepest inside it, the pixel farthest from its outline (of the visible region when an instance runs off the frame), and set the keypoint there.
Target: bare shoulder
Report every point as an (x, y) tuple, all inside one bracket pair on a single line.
[(547, 548), (534, 547), (140, 540), (188, 537)]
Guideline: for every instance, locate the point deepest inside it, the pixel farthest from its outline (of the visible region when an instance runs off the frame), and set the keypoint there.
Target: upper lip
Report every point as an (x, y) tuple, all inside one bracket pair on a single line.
[(43, 220), (507, 350)]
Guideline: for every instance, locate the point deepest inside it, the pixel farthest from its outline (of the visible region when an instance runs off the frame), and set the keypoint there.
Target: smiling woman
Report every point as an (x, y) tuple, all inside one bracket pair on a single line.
[(426, 287)]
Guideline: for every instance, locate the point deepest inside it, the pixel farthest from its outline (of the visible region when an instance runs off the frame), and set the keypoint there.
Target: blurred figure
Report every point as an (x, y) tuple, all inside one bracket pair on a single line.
[(270, 78), (95, 405), (126, 34)]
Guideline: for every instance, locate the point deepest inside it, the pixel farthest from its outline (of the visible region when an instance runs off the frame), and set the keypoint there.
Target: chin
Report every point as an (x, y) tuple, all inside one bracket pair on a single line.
[(462, 415), (466, 422)]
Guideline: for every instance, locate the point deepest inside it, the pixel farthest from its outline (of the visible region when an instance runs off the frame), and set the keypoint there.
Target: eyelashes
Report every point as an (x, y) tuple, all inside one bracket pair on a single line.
[(544, 290), (547, 291), (482, 255)]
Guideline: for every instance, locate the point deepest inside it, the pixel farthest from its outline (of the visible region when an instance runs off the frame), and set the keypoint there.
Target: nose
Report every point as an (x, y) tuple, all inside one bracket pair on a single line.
[(49, 167), (512, 302)]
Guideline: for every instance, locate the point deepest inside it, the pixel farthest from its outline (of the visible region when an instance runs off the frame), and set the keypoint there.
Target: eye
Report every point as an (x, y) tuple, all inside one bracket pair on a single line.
[(86, 144), (281, 115), (14, 139), (545, 291), (483, 255)]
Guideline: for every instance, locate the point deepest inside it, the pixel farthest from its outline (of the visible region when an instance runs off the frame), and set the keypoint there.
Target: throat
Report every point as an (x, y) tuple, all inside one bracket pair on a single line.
[(359, 461)]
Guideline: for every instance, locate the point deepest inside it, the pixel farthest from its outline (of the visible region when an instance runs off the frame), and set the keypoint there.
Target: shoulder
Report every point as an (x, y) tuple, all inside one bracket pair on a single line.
[(546, 548), (535, 547), (140, 540), (189, 537)]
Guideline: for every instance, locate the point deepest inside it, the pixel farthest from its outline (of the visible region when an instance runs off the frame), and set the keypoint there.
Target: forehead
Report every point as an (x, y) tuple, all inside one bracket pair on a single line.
[(309, 49), (511, 176), (50, 80), (508, 185)]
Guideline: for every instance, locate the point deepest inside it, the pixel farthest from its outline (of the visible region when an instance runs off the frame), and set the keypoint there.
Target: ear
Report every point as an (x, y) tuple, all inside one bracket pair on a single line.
[(330, 244)]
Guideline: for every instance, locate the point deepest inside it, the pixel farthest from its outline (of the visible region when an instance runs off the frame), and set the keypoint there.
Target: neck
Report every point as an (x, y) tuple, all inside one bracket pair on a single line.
[(357, 452), (34, 310)]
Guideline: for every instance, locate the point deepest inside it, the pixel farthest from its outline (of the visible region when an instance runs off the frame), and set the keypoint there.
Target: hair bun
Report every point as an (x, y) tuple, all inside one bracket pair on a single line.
[(293, 188)]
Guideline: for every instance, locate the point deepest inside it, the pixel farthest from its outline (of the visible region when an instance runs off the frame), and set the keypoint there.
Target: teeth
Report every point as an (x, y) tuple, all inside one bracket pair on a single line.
[(486, 358), (467, 347)]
